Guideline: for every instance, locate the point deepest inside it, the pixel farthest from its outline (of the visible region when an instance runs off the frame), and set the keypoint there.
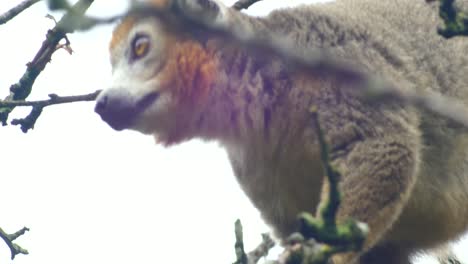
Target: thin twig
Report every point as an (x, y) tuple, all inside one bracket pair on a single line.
[(9, 238), (321, 237), (324, 228), (10, 14), (244, 4), (53, 100), (22, 89), (329, 210), (29, 121)]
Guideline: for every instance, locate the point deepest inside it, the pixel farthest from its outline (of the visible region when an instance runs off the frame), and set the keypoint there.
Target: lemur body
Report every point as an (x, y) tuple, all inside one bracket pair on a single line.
[(404, 171)]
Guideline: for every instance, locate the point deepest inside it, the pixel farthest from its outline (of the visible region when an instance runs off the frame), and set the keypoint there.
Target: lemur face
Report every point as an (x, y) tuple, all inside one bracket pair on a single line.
[(159, 78), (135, 94)]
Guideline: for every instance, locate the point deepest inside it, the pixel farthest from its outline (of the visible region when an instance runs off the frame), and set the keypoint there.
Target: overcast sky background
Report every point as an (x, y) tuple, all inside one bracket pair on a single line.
[(92, 195)]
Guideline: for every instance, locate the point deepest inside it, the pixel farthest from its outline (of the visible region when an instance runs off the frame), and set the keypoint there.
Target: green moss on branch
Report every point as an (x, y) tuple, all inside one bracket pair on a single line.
[(455, 22)]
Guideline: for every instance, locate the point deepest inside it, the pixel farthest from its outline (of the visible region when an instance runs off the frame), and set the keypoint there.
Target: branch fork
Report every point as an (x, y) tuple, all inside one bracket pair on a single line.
[(15, 249)]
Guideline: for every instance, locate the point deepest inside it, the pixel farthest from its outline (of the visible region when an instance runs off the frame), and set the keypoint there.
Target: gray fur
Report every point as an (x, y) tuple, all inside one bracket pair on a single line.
[(404, 170)]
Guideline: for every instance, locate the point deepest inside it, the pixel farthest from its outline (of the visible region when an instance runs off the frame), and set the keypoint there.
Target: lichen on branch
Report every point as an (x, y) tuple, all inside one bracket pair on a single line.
[(37, 107), (455, 21), (21, 90), (15, 249), (321, 237), (255, 255)]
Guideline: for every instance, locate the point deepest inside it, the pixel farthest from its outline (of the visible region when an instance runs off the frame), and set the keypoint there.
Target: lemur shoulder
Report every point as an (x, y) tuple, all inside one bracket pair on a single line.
[(404, 171)]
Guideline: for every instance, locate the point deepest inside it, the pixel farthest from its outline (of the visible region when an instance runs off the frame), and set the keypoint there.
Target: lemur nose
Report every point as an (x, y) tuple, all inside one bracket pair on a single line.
[(116, 110)]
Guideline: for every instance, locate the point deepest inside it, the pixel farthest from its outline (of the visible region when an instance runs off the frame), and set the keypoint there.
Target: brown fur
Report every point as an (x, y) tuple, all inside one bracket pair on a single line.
[(189, 72)]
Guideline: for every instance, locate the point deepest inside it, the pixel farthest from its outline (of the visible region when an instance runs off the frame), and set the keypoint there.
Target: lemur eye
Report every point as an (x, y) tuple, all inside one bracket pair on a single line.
[(140, 46)]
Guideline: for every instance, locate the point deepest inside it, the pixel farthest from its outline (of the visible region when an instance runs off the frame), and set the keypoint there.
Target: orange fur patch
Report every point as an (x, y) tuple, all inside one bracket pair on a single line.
[(189, 74), (121, 31)]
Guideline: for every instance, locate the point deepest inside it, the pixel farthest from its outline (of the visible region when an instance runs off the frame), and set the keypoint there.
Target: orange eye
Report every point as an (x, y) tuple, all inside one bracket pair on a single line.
[(140, 46)]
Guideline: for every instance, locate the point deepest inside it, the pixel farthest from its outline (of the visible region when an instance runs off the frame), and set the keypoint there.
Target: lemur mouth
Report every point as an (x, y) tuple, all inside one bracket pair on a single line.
[(146, 101), (120, 112)]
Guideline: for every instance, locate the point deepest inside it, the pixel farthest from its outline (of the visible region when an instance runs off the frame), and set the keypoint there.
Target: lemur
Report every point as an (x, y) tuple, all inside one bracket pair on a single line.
[(404, 170)]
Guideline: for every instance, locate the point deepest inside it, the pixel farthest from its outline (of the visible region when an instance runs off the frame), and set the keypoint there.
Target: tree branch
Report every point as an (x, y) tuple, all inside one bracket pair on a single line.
[(344, 237), (29, 121), (261, 250), (304, 247), (244, 4), (241, 256), (9, 238), (10, 14), (254, 256), (53, 100), (22, 89)]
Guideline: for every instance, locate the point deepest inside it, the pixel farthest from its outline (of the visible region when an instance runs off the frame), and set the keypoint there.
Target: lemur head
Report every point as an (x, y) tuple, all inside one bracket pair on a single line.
[(161, 78)]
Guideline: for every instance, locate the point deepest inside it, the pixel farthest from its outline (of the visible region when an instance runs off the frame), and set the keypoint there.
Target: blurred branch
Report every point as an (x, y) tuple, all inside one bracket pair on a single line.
[(81, 22), (87, 22), (22, 89), (9, 238), (10, 14), (77, 20), (449, 108), (58, 5), (317, 61), (244, 4), (29, 121), (53, 100)]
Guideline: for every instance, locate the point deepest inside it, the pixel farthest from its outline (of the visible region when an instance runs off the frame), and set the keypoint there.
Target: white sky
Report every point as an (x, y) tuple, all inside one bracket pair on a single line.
[(92, 195)]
